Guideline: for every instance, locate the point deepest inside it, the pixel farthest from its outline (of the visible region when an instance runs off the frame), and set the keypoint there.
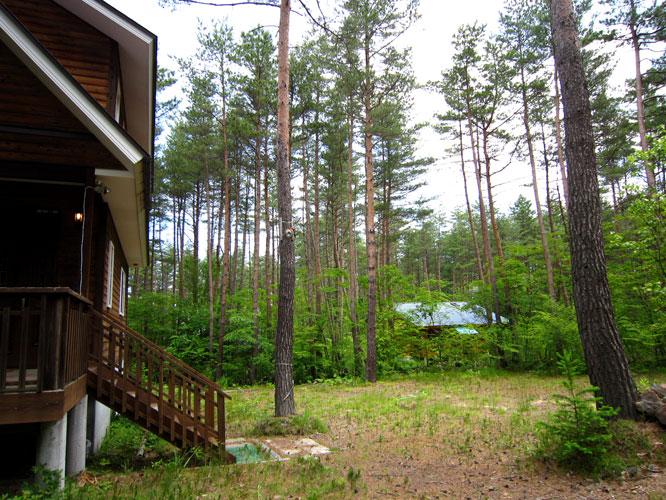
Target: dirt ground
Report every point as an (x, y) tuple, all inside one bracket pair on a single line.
[(472, 447)]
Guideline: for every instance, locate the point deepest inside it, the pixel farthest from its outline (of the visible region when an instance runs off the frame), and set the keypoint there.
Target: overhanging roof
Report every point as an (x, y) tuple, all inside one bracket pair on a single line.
[(126, 198), (137, 48)]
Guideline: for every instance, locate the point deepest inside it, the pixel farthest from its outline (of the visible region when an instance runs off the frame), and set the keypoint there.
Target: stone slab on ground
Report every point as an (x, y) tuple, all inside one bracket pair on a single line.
[(289, 447)]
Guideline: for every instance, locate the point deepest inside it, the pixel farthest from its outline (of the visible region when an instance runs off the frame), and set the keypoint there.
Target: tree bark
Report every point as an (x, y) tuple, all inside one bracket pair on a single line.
[(558, 139), (351, 221), (370, 230), (226, 255), (209, 259), (638, 82), (267, 255), (255, 252), (470, 218), (550, 281), (284, 337), (607, 364)]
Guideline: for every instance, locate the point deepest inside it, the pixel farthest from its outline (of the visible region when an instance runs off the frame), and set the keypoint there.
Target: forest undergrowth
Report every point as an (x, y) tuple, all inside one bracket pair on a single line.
[(448, 434)]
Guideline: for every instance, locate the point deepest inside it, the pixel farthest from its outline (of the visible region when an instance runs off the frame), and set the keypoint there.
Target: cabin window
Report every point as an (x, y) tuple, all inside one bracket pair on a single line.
[(122, 291), (109, 275), (117, 112)]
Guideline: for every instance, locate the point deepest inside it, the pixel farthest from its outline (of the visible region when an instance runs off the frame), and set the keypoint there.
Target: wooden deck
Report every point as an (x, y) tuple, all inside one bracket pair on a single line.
[(54, 346)]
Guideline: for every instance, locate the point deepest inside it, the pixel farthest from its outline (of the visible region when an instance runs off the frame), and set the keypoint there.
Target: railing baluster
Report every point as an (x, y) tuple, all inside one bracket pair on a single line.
[(160, 399), (4, 346), (125, 366), (23, 344), (41, 347)]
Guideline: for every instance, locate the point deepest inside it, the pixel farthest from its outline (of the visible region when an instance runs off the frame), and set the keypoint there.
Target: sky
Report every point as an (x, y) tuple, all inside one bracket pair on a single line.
[(430, 37)]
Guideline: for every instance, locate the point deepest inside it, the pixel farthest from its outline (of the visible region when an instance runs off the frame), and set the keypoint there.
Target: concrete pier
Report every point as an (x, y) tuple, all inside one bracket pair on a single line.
[(99, 419), (76, 438), (52, 446)]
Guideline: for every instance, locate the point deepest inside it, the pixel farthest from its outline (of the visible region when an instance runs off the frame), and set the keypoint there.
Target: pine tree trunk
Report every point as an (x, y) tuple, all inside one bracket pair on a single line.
[(226, 253), (351, 221), (267, 260), (470, 218), (607, 364), (550, 281), (196, 219), (284, 338), (557, 263), (234, 266), (255, 252), (485, 236), (370, 241), (315, 225), (640, 108), (308, 228), (558, 139), (209, 260)]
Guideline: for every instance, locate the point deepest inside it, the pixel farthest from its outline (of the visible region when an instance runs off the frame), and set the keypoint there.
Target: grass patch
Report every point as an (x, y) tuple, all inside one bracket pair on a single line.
[(297, 425), (448, 434), (129, 447)]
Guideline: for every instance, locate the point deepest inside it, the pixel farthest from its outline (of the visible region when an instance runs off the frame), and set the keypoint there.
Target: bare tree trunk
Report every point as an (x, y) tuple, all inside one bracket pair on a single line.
[(196, 219), (234, 269), (255, 253), (607, 364), (487, 252), (309, 264), (267, 260), (209, 259), (535, 185), (558, 139), (219, 369), (371, 243), (284, 338), (181, 248), (246, 215), (315, 227), (470, 219), (564, 295), (491, 202), (640, 108), (351, 220)]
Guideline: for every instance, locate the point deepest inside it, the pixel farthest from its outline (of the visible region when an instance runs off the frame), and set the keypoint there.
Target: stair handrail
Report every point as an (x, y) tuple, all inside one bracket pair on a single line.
[(197, 376)]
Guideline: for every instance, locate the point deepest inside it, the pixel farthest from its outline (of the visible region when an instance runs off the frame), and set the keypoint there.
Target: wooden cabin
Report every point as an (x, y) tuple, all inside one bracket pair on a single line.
[(77, 104)]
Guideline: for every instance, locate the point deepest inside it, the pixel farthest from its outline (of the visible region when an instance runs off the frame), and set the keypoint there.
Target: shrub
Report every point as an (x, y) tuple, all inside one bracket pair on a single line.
[(297, 425), (577, 436)]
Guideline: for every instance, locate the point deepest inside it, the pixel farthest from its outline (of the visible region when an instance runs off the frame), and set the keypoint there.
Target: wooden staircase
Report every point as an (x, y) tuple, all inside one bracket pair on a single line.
[(146, 384)]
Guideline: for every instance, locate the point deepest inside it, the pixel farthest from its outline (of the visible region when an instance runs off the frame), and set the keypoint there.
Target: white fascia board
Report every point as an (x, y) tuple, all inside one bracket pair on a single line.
[(68, 92), (137, 48), (125, 201)]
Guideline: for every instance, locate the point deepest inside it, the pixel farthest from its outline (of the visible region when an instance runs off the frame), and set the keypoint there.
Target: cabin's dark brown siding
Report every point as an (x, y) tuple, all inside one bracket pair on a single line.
[(85, 52), (36, 127), (24, 101)]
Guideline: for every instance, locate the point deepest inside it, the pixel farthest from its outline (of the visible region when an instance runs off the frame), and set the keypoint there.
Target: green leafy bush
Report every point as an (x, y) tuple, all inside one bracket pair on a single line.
[(297, 425), (577, 436)]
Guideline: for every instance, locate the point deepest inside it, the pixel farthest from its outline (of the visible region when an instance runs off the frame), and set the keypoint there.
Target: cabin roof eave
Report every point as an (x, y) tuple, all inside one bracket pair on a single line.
[(127, 196), (138, 58)]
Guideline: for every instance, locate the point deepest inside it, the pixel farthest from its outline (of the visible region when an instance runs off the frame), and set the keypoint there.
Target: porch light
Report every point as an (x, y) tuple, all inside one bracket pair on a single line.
[(78, 216)]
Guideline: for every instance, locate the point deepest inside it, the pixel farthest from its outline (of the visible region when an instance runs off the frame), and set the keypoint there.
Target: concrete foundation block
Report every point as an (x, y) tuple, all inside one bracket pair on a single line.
[(76, 438), (52, 447), (99, 419)]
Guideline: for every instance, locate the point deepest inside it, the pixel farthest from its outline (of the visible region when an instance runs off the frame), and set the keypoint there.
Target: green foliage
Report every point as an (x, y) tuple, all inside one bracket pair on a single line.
[(577, 436), (296, 425), (127, 446)]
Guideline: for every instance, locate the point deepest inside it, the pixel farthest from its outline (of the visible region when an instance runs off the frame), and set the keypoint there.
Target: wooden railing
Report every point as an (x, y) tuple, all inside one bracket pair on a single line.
[(43, 338), (172, 392)]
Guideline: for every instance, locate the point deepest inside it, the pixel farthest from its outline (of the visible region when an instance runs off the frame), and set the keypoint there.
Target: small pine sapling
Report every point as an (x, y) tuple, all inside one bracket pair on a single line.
[(577, 435)]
